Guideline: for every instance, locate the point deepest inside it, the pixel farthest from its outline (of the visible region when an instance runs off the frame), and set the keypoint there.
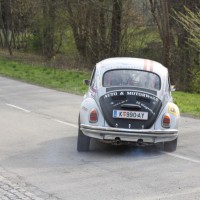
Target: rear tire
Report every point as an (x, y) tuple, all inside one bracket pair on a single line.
[(171, 146), (83, 142)]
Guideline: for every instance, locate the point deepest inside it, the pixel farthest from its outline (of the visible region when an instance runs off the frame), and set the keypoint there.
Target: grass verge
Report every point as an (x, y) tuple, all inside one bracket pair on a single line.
[(72, 81), (64, 80), (188, 103)]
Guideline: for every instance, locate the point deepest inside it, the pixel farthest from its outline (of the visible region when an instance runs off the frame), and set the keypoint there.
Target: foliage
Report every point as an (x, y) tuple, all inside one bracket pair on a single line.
[(191, 23), (16, 18), (195, 81), (100, 28), (146, 43), (91, 30), (160, 12), (177, 55)]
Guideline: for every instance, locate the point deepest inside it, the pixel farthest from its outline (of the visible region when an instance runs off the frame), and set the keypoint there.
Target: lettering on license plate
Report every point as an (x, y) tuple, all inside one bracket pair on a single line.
[(130, 114)]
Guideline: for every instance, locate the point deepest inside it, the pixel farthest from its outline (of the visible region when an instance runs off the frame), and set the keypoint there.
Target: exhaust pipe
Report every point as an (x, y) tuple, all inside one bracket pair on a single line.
[(117, 141), (140, 142)]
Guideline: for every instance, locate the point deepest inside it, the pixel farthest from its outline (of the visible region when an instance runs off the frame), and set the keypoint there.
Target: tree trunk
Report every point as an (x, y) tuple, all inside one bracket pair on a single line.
[(116, 28), (49, 7), (166, 34), (160, 13), (5, 18)]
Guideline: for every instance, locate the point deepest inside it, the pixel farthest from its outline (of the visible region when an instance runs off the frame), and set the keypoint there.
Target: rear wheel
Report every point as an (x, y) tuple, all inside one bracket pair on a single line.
[(83, 142), (171, 146)]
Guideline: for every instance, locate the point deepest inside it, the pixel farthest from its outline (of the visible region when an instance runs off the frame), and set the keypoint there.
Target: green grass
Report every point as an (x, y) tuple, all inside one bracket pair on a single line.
[(64, 80), (188, 103), (72, 81)]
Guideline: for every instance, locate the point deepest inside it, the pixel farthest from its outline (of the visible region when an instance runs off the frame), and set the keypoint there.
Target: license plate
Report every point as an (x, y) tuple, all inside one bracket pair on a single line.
[(130, 114)]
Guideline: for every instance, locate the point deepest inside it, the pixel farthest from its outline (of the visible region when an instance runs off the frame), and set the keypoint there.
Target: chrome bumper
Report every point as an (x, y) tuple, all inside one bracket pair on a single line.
[(129, 135)]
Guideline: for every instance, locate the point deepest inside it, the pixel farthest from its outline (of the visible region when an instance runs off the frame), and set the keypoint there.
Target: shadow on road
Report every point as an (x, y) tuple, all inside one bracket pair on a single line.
[(62, 152)]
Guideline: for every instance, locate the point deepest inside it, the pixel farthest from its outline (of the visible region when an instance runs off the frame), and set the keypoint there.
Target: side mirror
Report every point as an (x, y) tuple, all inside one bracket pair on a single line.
[(173, 88), (86, 82)]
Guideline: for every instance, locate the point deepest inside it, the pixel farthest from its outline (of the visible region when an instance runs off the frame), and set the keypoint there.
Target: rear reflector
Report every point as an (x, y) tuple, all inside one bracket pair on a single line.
[(166, 121), (93, 116)]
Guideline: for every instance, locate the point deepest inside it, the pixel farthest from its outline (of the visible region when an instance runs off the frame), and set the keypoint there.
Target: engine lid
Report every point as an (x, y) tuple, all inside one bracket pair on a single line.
[(130, 109)]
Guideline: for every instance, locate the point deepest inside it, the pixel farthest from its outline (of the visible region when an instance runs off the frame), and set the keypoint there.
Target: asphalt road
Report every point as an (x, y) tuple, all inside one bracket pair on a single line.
[(38, 157)]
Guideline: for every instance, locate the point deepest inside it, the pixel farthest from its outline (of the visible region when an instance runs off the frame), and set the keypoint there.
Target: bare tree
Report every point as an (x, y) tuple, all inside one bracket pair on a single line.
[(97, 27), (116, 27), (160, 12), (190, 20), (49, 10), (6, 23), (47, 28)]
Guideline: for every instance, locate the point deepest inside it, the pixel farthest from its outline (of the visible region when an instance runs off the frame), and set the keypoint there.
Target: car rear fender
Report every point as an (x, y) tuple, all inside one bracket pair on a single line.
[(87, 105), (173, 110)]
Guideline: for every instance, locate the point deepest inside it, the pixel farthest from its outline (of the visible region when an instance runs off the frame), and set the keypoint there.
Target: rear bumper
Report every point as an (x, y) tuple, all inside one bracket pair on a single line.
[(129, 135)]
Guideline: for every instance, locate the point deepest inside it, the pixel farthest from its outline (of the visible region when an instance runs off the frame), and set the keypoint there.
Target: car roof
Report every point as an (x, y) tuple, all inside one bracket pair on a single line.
[(131, 63)]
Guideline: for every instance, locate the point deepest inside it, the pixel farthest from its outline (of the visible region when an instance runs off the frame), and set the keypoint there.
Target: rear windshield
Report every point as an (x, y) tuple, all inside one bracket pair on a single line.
[(127, 77)]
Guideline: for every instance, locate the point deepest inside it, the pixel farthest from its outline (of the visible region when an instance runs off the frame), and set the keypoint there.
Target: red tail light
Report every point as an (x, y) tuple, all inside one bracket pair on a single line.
[(166, 121), (93, 116)]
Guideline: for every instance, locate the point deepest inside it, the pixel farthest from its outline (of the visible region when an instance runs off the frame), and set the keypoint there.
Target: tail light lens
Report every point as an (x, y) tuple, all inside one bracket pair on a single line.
[(166, 121), (93, 116)]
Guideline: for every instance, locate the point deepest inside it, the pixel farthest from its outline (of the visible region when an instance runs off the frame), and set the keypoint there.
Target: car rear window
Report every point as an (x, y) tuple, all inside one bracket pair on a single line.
[(127, 77)]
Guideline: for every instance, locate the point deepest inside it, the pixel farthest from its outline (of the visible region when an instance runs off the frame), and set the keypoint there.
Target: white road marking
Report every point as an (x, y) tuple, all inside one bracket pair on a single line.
[(75, 126), (17, 107), (66, 123), (182, 157)]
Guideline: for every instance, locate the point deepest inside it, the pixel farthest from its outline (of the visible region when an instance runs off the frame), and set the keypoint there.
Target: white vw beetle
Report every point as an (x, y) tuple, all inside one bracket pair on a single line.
[(128, 101)]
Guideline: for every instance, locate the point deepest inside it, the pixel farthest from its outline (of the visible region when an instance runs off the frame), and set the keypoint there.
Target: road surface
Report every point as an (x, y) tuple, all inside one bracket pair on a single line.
[(38, 157)]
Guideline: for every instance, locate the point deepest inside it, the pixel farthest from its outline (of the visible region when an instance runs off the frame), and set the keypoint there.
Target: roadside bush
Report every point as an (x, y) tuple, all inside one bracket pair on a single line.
[(195, 80)]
